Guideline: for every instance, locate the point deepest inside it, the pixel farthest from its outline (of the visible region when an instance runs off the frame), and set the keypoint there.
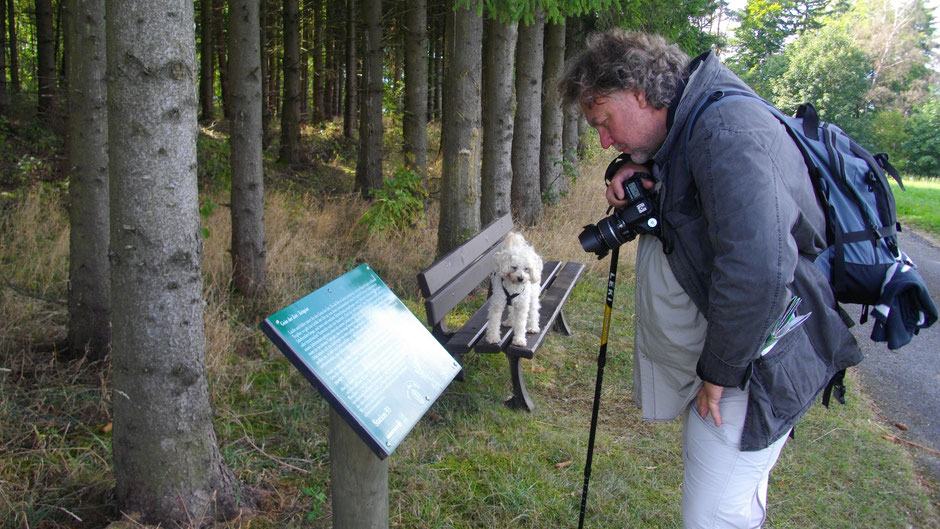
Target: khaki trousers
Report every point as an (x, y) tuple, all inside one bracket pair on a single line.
[(723, 487)]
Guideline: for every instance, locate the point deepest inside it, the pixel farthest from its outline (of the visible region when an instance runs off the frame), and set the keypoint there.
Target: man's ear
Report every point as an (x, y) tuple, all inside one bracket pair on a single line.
[(640, 99)]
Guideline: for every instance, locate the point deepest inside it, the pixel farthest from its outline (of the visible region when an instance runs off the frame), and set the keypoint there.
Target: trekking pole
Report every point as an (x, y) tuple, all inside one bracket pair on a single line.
[(601, 361)]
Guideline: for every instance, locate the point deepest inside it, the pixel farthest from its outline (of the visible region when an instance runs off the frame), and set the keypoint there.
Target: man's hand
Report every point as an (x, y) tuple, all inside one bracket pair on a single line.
[(707, 401), (615, 194)]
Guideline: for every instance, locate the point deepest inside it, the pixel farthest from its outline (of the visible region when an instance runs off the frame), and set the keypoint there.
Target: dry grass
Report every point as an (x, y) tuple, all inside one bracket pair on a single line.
[(470, 463)]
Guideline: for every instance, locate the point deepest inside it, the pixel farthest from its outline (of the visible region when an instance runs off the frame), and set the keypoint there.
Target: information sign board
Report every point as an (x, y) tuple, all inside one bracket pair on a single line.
[(366, 354)]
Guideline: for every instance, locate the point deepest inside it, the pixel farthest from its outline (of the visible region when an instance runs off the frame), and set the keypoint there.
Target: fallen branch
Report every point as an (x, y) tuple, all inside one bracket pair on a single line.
[(265, 454), (23, 292), (909, 443)]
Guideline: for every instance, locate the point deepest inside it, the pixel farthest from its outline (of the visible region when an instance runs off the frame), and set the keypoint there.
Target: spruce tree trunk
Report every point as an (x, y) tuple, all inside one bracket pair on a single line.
[(553, 182), (206, 62), (349, 106), (167, 464), (499, 50), (45, 60), (14, 49), (89, 277), (369, 168), (290, 115), (526, 182), (317, 113), (248, 243), (265, 107), (569, 138), (4, 89), (461, 129), (218, 17), (306, 43), (415, 121)]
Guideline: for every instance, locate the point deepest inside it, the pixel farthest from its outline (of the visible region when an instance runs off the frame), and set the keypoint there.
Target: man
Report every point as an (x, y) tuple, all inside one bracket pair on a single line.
[(740, 227)]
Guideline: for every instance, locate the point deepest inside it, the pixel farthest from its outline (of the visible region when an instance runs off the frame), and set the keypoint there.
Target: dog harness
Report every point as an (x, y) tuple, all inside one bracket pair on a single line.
[(509, 297)]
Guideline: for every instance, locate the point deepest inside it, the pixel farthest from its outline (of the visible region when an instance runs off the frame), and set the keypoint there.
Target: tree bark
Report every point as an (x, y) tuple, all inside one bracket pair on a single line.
[(4, 89), (526, 183), (290, 115), (14, 53), (349, 107), (89, 277), (167, 464), (248, 242), (569, 139), (45, 60), (460, 133), (499, 50), (553, 181), (306, 43), (369, 168), (415, 121), (265, 106), (317, 113), (206, 62), (218, 18)]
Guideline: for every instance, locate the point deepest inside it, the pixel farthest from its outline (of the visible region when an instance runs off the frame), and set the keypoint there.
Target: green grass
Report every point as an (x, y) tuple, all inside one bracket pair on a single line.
[(919, 204), (470, 462)]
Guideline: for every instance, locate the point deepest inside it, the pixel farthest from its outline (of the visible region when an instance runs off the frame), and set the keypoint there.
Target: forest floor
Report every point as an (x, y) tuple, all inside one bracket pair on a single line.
[(469, 463)]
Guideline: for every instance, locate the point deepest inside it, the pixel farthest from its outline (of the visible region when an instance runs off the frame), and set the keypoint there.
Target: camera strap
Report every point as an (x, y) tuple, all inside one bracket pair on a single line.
[(601, 362)]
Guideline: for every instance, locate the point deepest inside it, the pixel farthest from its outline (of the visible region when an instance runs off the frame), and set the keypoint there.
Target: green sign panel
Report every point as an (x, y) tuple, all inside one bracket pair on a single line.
[(366, 353)]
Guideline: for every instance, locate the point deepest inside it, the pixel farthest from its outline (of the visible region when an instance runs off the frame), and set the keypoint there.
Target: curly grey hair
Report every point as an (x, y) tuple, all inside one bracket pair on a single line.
[(624, 60)]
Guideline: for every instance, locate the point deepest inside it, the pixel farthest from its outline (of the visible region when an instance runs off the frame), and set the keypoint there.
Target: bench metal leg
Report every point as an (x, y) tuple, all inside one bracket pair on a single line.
[(561, 324), (520, 396)]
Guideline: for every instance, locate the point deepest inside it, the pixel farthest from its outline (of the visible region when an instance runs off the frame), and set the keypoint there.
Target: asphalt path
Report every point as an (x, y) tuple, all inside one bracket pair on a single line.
[(905, 384)]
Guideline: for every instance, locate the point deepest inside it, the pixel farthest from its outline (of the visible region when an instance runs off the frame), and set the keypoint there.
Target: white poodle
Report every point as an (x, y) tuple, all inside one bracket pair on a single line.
[(516, 284)]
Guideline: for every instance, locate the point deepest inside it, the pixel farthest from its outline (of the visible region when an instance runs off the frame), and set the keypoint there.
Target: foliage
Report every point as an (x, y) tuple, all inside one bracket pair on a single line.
[(399, 205), (899, 38), (828, 69), (767, 24), (213, 153), (922, 148), (759, 36)]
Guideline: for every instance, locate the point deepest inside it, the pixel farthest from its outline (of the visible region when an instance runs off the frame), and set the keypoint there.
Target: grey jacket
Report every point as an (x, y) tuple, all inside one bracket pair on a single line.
[(743, 225)]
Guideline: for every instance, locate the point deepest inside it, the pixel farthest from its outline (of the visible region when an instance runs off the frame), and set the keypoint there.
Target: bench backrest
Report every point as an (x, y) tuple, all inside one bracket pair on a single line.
[(451, 278)]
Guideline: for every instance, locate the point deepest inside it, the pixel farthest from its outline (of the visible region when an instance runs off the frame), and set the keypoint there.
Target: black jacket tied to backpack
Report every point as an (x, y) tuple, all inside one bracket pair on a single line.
[(905, 306), (742, 226)]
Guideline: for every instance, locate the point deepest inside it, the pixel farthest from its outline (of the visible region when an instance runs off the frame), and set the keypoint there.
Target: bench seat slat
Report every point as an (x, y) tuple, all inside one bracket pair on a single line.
[(439, 274), (444, 301)]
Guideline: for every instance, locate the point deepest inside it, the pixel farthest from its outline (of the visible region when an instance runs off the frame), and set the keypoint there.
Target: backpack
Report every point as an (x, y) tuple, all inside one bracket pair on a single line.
[(862, 260)]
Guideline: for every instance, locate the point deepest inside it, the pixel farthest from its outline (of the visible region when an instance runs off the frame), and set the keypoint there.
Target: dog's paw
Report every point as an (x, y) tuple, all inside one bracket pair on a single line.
[(518, 339), (491, 337), (532, 329)]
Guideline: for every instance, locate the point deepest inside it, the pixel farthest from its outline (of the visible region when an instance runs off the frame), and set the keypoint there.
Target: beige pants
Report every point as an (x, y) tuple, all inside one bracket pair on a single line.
[(723, 487)]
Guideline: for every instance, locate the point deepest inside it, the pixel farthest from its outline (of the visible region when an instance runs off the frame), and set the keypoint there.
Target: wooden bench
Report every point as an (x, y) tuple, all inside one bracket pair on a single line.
[(447, 282)]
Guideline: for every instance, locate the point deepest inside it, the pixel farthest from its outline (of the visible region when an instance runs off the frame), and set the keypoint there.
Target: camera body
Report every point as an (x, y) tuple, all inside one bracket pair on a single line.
[(637, 217)]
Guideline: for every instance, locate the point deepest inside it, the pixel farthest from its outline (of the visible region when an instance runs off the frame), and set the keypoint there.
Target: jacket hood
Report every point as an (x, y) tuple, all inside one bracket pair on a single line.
[(708, 76)]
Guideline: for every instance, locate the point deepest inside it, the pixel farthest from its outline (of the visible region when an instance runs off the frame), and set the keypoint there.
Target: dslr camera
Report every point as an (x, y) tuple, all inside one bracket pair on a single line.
[(624, 224)]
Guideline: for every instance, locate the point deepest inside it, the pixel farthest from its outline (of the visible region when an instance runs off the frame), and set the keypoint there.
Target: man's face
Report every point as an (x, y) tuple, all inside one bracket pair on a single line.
[(627, 122)]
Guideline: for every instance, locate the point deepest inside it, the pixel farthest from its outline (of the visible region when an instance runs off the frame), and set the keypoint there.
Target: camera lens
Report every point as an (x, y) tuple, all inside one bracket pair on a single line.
[(591, 241), (613, 230)]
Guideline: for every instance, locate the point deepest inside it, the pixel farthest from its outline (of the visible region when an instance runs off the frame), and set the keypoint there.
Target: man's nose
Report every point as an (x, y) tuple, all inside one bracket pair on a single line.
[(606, 141)]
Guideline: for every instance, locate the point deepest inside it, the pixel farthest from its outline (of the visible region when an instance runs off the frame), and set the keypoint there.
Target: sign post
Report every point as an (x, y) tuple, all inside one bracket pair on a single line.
[(379, 369)]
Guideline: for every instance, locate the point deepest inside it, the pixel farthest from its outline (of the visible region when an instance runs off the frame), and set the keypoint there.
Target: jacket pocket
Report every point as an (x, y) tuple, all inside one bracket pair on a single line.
[(789, 377)]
